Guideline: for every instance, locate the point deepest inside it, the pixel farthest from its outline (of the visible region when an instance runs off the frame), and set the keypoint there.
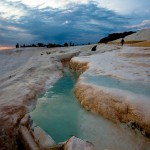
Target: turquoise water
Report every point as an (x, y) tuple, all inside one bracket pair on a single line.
[(138, 87), (57, 107), (59, 113)]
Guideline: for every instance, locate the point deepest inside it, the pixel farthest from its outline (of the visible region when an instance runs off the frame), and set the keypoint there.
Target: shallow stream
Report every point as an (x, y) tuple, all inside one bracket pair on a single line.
[(60, 114)]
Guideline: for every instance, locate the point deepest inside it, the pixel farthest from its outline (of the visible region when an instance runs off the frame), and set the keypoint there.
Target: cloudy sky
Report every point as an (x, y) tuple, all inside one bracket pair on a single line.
[(78, 21)]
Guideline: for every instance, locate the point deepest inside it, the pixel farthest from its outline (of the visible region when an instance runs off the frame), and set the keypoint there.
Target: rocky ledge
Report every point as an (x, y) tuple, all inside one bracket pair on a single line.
[(116, 104), (32, 137)]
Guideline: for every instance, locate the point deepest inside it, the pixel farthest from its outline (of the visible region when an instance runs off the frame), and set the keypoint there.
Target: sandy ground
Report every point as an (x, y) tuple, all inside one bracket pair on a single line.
[(141, 44)]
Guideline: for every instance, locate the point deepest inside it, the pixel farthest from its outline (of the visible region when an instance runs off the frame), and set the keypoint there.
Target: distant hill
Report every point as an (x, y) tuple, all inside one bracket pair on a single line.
[(142, 35), (115, 36)]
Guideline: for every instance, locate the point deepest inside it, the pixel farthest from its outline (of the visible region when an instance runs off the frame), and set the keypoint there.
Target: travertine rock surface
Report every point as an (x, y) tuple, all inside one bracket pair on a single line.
[(115, 105), (75, 143), (123, 105), (24, 74)]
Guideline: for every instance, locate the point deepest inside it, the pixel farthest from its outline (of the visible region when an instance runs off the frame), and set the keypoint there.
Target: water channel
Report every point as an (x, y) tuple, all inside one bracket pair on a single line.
[(60, 114)]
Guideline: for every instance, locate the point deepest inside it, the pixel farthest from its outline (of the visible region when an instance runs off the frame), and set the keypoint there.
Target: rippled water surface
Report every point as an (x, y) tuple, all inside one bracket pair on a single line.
[(59, 113)]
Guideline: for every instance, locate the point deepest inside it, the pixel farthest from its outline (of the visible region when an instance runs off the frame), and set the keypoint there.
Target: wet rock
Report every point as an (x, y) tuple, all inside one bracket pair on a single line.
[(27, 139), (77, 66), (25, 120), (7, 140), (56, 147), (94, 48), (75, 143), (48, 53), (147, 135), (112, 106), (133, 125), (42, 138)]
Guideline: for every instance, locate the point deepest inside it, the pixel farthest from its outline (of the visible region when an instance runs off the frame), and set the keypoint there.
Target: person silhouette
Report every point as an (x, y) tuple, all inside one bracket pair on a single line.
[(17, 45), (122, 41)]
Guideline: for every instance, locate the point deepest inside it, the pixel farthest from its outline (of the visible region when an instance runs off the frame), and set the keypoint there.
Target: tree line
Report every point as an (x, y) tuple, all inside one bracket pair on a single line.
[(50, 45), (110, 37), (115, 36)]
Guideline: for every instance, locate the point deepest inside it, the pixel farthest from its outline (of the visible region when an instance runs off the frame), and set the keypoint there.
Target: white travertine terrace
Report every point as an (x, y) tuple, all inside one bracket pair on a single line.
[(26, 72), (126, 64)]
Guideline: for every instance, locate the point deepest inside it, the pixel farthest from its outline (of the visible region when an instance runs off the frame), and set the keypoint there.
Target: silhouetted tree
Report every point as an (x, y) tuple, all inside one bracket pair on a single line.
[(50, 45), (33, 45), (40, 44), (17, 45), (66, 44), (115, 36)]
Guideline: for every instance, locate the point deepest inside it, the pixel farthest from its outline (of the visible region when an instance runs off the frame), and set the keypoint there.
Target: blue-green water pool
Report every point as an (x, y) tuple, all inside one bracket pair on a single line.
[(59, 113), (138, 87)]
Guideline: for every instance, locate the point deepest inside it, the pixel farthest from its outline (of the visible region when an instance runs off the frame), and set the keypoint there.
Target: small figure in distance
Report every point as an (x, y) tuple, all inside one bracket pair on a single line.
[(122, 41), (17, 45)]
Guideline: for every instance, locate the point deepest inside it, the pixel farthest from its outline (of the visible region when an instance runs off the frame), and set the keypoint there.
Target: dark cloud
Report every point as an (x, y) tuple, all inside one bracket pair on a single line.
[(78, 23)]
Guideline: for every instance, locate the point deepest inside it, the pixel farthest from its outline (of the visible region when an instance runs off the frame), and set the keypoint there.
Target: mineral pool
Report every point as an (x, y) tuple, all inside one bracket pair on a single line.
[(59, 113)]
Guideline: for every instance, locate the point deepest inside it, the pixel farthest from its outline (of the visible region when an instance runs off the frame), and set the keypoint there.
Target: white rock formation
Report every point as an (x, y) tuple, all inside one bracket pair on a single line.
[(27, 139), (24, 74), (75, 143), (114, 103)]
